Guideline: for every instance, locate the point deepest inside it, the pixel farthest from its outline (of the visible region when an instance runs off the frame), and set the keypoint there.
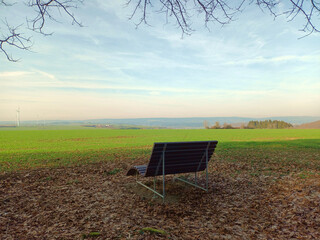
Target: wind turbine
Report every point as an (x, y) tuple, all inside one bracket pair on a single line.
[(18, 117)]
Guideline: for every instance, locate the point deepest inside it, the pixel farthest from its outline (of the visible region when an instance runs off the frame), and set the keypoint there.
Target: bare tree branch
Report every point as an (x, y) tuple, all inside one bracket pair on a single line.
[(3, 2), (45, 10), (308, 9), (14, 39), (182, 12), (224, 11)]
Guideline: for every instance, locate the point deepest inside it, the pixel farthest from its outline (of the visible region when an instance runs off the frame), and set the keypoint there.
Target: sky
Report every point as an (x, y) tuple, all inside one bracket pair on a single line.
[(254, 67)]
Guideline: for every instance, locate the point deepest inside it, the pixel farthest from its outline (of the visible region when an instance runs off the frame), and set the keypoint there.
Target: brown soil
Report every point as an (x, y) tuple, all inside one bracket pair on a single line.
[(70, 203)]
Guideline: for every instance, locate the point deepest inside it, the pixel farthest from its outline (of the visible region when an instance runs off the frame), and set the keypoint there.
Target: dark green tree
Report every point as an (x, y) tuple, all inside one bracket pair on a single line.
[(269, 124)]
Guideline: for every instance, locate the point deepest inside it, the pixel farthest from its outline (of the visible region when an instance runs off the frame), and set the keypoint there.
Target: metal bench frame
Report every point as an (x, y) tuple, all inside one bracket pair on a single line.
[(163, 161)]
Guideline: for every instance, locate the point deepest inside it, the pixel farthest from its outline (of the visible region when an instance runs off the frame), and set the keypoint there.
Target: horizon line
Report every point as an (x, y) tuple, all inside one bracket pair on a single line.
[(90, 119)]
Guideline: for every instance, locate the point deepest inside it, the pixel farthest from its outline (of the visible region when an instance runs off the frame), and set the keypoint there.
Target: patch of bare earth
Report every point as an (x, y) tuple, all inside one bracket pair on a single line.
[(70, 203)]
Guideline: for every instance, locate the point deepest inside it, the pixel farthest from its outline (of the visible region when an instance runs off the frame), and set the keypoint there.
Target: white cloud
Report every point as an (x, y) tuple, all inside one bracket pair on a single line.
[(279, 59), (48, 75), (13, 74)]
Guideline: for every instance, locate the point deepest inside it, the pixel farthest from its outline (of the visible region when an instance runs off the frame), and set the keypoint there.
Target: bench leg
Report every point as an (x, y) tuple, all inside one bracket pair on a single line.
[(195, 184), (160, 195), (192, 184), (207, 179), (154, 186), (152, 190), (163, 186)]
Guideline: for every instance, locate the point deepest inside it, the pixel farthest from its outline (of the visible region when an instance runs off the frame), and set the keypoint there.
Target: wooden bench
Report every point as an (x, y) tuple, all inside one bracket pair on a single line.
[(174, 158)]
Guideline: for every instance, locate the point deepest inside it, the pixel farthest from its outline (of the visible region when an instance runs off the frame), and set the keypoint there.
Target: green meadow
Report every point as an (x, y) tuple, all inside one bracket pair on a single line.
[(28, 148)]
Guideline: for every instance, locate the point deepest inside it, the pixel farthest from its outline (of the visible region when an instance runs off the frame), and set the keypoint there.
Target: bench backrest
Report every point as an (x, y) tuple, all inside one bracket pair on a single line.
[(180, 157)]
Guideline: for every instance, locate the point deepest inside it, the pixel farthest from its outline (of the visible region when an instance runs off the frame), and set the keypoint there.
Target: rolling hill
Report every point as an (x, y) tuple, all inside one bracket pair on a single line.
[(311, 125)]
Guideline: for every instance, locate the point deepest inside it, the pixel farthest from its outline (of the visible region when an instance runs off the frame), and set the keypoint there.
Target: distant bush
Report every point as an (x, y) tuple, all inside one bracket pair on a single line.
[(227, 126), (218, 126)]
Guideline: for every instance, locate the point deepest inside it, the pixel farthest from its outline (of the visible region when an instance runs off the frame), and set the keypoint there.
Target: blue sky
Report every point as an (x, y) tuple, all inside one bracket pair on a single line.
[(254, 67)]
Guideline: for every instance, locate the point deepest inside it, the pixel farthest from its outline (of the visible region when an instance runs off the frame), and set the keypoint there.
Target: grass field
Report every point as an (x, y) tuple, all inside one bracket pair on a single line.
[(72, 184), (33, 148)]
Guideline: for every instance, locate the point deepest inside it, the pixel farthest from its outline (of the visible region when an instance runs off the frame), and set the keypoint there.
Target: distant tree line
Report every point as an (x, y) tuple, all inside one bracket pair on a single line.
[(266, 124), (269, 124), (218, 126)]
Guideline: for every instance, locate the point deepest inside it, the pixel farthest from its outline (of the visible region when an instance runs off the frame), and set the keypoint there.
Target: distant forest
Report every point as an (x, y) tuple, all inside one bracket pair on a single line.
[(266, 124), (269, 124)]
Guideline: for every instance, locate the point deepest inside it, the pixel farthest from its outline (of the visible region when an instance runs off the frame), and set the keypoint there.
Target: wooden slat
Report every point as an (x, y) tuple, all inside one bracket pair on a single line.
[(176, 170), (179, 156), (174, 161), (141, 169)]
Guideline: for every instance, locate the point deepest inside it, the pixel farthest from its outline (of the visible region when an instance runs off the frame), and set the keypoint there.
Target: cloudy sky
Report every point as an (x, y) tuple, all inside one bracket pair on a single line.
[(254, 67)]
